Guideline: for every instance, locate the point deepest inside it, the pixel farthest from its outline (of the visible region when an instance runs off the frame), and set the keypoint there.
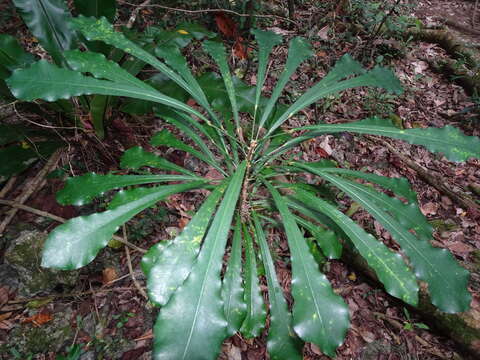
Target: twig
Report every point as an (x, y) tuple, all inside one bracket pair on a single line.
[(62, 220), (211, 11), (135, 12), (32, 186), (436, 181), (6, 188), (82, 293), (130, 268)]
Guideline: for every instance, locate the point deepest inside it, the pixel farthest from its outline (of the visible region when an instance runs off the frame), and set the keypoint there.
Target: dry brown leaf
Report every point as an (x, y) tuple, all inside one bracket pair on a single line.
[(108, 275), (39, 319)]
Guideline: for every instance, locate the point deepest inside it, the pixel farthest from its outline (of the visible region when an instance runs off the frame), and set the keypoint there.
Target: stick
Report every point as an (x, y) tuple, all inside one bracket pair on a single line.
[(135, 12), (62, 220), (130, 268), (437, 182), (33, 185), (210, 10), (7, 186)]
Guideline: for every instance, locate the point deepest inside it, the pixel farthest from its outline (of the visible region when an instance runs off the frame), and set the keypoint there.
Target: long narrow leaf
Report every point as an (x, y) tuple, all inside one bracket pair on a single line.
[(48, 20), (319, 315), (390, 268), (46, 81), (448, 140), (169, 266), (232, 287), (136, 157), (255, 318), (447, 281), (282, 342), (83, 237), (199, 332), (83, 189), (299, 50), (266, 41)]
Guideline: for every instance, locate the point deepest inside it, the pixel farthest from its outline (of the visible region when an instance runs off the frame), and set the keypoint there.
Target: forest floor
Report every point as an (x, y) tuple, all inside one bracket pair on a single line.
[(102, 310)]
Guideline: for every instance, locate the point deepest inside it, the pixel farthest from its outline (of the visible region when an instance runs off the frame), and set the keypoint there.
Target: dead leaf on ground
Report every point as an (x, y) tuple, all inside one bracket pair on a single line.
[(108, 275), (39, 319)]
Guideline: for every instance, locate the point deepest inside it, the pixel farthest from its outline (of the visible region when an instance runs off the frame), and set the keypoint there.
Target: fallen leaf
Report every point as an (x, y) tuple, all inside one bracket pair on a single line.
[(460, 247), (323, 32), (5, 316), (108, 275), (429, 208), (39, 319), (183, 222), (226, 25)]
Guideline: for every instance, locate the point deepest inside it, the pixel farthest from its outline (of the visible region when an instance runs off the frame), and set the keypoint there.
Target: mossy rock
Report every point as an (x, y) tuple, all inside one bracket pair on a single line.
[(24, 255)]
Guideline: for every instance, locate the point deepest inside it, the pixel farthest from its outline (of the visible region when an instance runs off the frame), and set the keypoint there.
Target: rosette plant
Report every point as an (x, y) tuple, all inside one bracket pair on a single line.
[(200, 304)]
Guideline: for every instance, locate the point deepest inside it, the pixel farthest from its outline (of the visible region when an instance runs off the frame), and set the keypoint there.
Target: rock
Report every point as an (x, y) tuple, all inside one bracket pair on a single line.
[(23, 256)]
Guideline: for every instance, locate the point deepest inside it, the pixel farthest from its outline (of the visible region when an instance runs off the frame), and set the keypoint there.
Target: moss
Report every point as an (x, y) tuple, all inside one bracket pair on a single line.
[(24, 254)]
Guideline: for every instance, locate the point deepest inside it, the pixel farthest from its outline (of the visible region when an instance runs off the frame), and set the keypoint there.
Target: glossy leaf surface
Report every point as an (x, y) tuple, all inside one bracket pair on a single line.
[(83, 189), (170, 265), (390, 268), (255, 316), (319, 315), (448, 140), (83, 237), (282, 342), (192, 324), (136, 157), (232, 286), (447, 281), (48, 20)]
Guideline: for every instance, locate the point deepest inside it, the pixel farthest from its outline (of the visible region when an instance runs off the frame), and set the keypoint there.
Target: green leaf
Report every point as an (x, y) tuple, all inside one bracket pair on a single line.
[(97, 8), (319, 315), (255, 319), (266, 41), (48, 20), (102, 68), (166, 138), (136, 157), (448, 140), (400, 186), (217, 51), (46, 81), (202, 327), (390, 268), (447, 281), (232, 288), (326, 239), (80, 239), (80, 190), (282, 342), (102, 30), (378, 77), (12, 55), (168, 266), (299, 50)]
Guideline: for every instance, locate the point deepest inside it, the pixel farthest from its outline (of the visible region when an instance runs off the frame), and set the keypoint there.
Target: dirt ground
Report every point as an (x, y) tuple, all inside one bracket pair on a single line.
[(101, 309)]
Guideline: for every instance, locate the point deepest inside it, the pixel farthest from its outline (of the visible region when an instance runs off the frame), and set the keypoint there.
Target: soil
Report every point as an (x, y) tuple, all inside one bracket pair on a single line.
[(103, 311)]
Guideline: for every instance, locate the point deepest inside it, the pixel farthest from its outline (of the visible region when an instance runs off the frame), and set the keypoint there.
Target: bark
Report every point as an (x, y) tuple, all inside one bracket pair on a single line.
[(445, 40)]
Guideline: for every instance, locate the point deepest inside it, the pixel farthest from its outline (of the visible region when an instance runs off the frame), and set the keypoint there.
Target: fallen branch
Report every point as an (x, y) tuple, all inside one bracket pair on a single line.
[(62, 220), (437, 181), (130, 267), (33, 185), (445, 40)]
